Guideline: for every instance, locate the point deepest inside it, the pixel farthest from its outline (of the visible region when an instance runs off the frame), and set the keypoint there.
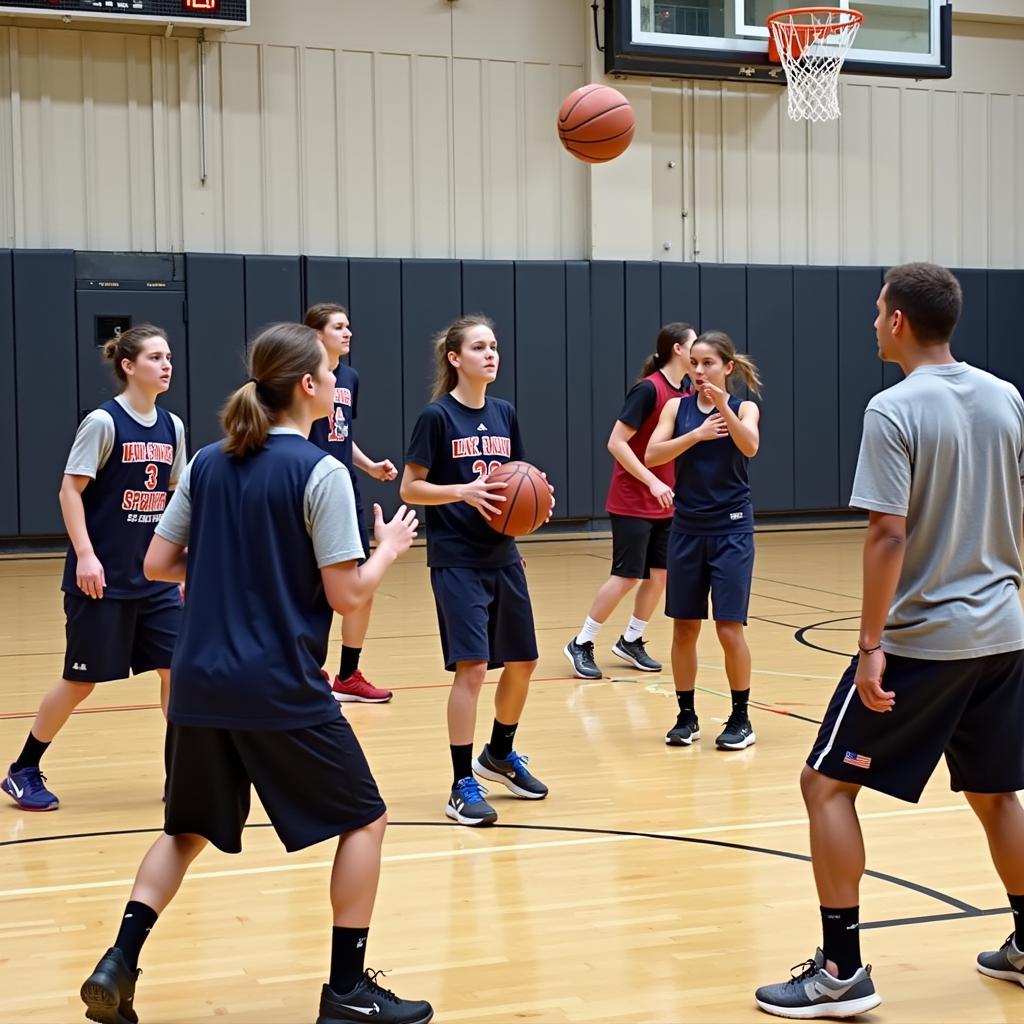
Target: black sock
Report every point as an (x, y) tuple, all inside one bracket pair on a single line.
[(1017, 906), (502, 738), (348, 954), (31, 753), (685, 700), (136, 924), (462, 761), (840, 929), (349, 662), (739, 702)]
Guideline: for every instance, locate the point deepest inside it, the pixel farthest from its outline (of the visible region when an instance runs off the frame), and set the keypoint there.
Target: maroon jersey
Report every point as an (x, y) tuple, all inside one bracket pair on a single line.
[(628, 496)]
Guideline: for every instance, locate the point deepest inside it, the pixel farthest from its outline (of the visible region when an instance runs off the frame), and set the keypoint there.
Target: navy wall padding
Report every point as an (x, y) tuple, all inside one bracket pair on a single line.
[(325, 279), (643, 315), (273, 291), (46, 378), (723, 301), (608, 367), (8, 401), (375, 303), (680, 293), (860, 369), (1005, 351), (541, 377), (970, 339), (489, 287), (770, 345), (575, 499), (815, 388), (216, 339)]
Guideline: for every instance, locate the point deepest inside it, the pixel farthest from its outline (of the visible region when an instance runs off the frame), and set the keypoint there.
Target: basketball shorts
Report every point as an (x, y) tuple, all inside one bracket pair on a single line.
[(639, 545), (970, 710), (722, 566), (484, 615), (313, 783), (114, 637)]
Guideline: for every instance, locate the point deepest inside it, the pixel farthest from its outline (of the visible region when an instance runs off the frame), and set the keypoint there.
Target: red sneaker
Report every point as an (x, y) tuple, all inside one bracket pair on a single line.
[(356, 689)]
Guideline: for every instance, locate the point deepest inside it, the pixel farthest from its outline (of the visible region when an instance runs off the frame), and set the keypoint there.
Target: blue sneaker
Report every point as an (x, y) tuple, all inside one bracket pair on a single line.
[(512, 772), (467, 805), (26, 789)]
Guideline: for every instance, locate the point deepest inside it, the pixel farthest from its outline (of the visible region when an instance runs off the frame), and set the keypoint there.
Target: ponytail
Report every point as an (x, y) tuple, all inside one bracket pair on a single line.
[(451, 339), (279, 358), (743, 366), (669, 336)]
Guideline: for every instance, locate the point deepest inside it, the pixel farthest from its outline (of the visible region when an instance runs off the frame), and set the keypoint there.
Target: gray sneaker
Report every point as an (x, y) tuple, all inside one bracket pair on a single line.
[(634, 652), (1006, 963), (581, 657), (813, 992)]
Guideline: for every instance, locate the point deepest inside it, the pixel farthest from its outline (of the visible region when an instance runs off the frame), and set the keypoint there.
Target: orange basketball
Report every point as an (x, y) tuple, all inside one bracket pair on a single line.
[(527, 499), (596, 123)]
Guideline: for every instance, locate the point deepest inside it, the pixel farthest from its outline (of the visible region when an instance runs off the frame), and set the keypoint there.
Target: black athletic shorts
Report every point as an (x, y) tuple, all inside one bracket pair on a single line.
[(313, 783), (970, 710), (638, 545), (112, 637)]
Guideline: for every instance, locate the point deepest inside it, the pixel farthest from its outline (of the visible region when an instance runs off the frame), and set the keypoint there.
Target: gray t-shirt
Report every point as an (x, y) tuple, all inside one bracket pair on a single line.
[(330, 511), (945, 449), (94, 442)]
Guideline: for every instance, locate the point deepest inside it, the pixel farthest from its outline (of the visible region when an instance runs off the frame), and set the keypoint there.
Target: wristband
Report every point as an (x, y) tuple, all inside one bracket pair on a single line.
[(868, 650)]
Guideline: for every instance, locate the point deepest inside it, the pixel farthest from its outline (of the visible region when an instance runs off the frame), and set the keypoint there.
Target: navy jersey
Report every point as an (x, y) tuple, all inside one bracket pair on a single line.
[(457, 444), (256, 619), (124, 503), (712, 491), (334, 433)]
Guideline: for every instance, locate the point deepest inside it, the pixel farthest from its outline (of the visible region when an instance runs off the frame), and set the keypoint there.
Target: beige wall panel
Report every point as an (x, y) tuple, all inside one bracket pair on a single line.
[(794, 188), (917, 174), (244, 171), (395, 154), (824, 194), (766, 213), (707, 171), (945, 158), (1003, 214), (856, 175), (974, 177), (168, 73), (541, 156), (503, 191), (322, 154), (1018, 106), (547, 31), (888, 177), (141, 183), (7, 154), (667, 168), (469, 142), (358, 171), (572, 179), (431, 113), (735, 174), (282, 151), (203, 210)]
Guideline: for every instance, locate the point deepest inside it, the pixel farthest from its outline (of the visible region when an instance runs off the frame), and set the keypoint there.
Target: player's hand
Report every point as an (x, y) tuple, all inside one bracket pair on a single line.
[(89, 577), (384, 470), (662, 493), (712, 428), (483, 495), (715, 395), (397, 533), (551, 511), (870, 669)]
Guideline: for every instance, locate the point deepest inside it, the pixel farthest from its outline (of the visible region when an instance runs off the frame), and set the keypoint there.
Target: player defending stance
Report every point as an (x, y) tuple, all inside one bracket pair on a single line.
[(483, 604), (940, 668), (640, 506), (712, 436), (334, 436), (126, 456), (249, 706)]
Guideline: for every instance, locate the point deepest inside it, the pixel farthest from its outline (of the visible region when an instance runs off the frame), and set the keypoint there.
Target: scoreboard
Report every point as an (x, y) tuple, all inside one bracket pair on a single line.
[(215, 13)]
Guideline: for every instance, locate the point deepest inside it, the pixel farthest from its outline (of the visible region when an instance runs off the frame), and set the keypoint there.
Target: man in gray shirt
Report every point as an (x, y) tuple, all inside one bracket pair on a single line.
[(940, 668)]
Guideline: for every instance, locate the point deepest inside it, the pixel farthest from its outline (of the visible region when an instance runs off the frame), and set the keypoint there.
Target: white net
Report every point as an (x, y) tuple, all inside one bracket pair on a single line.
[(812, 45)]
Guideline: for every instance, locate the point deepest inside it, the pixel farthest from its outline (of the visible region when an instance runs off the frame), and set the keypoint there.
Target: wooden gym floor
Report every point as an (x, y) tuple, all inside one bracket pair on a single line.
[(655, 884)]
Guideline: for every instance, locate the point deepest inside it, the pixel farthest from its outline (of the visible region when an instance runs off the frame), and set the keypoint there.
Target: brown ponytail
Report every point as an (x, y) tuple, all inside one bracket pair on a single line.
[(450, 340), (743, 366), (669, 336), (128, 345), (279, 358)]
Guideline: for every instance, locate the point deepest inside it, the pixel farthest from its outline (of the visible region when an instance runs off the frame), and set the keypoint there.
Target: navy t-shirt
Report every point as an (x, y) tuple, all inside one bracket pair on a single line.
[(712, 491), (457, 444), (333, 434)]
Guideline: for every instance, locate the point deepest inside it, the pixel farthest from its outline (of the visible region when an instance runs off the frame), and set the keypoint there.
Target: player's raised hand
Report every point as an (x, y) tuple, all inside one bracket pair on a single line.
[(383, 470), (484, 496), (870, 669), (89, 577), (551, 511), (662, 493), (712, 428), (397, 533), (713, 394)]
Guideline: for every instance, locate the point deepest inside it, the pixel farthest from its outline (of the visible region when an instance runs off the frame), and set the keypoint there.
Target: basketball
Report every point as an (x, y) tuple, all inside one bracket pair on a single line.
[(527, 499), (596, 123)]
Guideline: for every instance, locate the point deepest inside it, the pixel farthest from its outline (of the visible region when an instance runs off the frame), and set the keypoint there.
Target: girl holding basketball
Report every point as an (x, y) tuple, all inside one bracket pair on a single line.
[(334, 436), (640, 507), (711, 436), (126, 458), (483, 604), (249, 706)]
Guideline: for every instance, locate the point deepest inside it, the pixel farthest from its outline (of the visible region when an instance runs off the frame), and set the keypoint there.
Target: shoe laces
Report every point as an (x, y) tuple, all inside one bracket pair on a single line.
[(587, 651), (518, 762), (377, 989), (807, 970), (470, 790), (34, 779), (736, 720), (357, 678)]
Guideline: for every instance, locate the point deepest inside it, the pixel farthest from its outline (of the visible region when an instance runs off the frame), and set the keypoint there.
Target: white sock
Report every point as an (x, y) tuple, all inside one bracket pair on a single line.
[(588, 634), (634, 630)]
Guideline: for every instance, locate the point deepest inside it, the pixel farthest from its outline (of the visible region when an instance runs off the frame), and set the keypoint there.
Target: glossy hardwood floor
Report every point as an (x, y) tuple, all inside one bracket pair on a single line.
[(655, 884)]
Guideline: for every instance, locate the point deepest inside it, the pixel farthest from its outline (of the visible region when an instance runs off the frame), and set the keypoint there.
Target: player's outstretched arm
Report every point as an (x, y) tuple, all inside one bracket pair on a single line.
[(383, 470), (165, 561), (484, 495)]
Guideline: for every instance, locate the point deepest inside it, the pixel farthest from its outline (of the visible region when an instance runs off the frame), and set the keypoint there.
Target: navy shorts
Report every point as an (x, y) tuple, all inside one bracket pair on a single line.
[(638, 546), (484, 615), (314, 783), (971, 710), (722, 565), (111, 638), (364, 532)]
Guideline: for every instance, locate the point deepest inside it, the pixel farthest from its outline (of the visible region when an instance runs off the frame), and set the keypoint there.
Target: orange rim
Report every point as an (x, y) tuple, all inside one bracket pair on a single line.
[(803, 32)]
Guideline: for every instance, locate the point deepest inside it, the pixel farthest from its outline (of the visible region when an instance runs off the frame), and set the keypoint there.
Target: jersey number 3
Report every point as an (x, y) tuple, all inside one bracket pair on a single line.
[(152, 473), (483, 469)]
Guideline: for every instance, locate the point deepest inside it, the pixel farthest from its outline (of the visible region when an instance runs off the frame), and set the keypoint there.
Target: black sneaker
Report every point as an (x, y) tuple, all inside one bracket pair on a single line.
[(635, 653), (467, 805), (685, 731), (813, 992), (1006, 963), (368, 1001), (738, 734), (109, 991), (511, 772), (581, 657)]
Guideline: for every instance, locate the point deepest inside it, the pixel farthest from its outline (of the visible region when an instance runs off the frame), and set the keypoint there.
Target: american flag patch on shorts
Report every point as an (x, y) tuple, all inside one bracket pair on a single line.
[(857, 760)]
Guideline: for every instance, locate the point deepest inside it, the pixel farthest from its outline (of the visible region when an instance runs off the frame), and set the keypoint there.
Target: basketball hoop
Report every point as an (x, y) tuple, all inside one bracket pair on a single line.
[(811, 43)]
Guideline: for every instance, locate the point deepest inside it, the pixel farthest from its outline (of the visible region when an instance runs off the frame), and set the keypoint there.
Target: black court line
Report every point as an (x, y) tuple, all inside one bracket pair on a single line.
[(964, 909), (801, 586), (801, 636)]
